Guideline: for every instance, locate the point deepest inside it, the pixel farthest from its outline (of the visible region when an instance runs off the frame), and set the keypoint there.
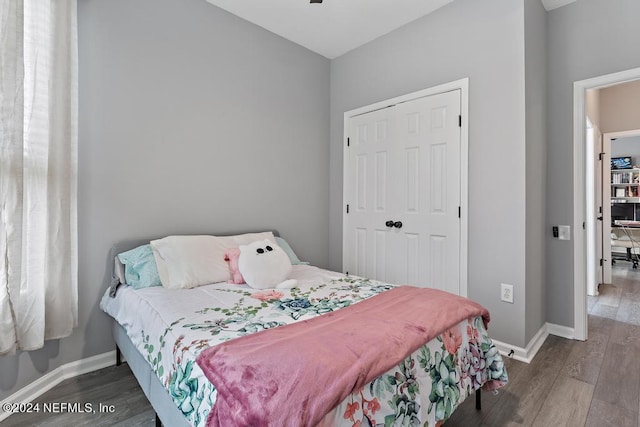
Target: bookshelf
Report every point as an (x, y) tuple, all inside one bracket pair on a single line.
[(625, 185)]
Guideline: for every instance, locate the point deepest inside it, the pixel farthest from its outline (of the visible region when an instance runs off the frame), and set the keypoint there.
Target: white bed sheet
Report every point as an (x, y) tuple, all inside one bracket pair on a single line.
[(148, 303)]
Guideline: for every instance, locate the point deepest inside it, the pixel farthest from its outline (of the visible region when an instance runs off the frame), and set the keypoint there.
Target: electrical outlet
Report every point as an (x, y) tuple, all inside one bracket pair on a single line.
[(506, 293)]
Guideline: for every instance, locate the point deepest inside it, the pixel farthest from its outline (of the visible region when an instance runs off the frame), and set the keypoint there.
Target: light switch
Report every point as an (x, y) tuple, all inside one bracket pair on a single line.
[(564, 232)]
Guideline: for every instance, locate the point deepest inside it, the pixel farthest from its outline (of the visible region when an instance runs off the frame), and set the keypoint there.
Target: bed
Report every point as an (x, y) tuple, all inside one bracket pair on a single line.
[(164, 335)]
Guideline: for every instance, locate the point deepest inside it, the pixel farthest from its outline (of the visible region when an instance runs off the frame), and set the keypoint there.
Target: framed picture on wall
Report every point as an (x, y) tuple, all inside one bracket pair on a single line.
[(621, 163)]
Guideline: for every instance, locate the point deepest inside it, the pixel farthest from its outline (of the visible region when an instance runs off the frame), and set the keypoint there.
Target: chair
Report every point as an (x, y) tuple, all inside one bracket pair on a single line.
[(629, 242)]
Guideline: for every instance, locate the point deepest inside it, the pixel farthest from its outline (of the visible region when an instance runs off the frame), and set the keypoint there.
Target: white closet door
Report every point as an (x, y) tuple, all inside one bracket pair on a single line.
[(404, 166), (428, 136), (371, 155)]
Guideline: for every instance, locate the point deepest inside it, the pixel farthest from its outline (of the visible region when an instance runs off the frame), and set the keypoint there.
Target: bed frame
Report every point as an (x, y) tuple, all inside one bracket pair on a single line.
[(167, 413)]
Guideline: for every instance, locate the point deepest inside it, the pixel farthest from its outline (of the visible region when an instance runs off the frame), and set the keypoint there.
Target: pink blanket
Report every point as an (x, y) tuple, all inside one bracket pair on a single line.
[(294, 374)]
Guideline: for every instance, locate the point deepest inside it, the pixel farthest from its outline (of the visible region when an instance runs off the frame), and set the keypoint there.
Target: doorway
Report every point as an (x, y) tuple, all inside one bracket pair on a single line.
[(581, 199), (621, 200)]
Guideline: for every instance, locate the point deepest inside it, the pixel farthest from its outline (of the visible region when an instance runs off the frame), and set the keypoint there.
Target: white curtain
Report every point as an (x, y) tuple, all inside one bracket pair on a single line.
[(38, 172)]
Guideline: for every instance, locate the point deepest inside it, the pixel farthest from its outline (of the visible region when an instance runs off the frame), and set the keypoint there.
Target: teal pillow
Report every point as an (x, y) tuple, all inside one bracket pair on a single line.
[(140, 269), (287, 249)]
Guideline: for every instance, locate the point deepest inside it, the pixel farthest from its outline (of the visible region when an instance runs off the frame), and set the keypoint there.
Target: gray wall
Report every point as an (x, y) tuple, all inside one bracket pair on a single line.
[(585, 39), (191, 120), (628, 146), (485, 42), (535, 27)]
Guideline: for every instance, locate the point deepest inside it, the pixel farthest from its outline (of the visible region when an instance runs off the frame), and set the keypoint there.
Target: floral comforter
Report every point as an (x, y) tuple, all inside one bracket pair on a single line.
[(171, 327)]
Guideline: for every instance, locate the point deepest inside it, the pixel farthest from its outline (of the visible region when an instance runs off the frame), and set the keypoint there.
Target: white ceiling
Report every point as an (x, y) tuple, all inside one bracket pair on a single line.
[(335, 27)]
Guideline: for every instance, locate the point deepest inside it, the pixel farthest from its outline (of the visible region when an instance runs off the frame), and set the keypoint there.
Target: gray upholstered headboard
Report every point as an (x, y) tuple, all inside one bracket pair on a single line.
[(126, 245)]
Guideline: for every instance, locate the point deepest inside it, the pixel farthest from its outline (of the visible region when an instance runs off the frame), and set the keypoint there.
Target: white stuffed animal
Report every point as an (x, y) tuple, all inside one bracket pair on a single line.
[(264, 265)]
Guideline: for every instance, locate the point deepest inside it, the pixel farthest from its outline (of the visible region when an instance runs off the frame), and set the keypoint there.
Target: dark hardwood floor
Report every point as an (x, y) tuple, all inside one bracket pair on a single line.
[(115, 387), (574, 383), (569, 383)]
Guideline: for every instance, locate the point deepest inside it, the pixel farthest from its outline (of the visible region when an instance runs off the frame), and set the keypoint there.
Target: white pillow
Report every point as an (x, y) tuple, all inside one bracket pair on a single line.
[(190, 261), (245, 239)]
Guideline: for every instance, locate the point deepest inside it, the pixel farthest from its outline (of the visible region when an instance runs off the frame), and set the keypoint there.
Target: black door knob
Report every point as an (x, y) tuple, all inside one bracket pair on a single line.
[(397, 224), (389, 223)]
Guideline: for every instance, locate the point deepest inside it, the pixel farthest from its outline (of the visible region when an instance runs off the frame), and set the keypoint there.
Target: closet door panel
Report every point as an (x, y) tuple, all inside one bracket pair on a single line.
[(407, 171), (367, 181)]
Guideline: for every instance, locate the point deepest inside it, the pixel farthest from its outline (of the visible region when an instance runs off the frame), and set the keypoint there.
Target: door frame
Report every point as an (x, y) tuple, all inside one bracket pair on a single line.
[(605, 229), (595, 270), (580, 157), (463, 86)]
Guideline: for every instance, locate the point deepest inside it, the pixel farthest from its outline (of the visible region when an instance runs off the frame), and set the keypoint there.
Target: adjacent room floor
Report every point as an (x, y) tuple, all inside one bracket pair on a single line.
[(569, 383)]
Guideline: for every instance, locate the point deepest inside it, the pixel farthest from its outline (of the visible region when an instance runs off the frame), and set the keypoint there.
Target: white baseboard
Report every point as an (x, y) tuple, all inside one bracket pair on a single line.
[(529, 352), (523, 354), (561, 331), (55, 377)]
